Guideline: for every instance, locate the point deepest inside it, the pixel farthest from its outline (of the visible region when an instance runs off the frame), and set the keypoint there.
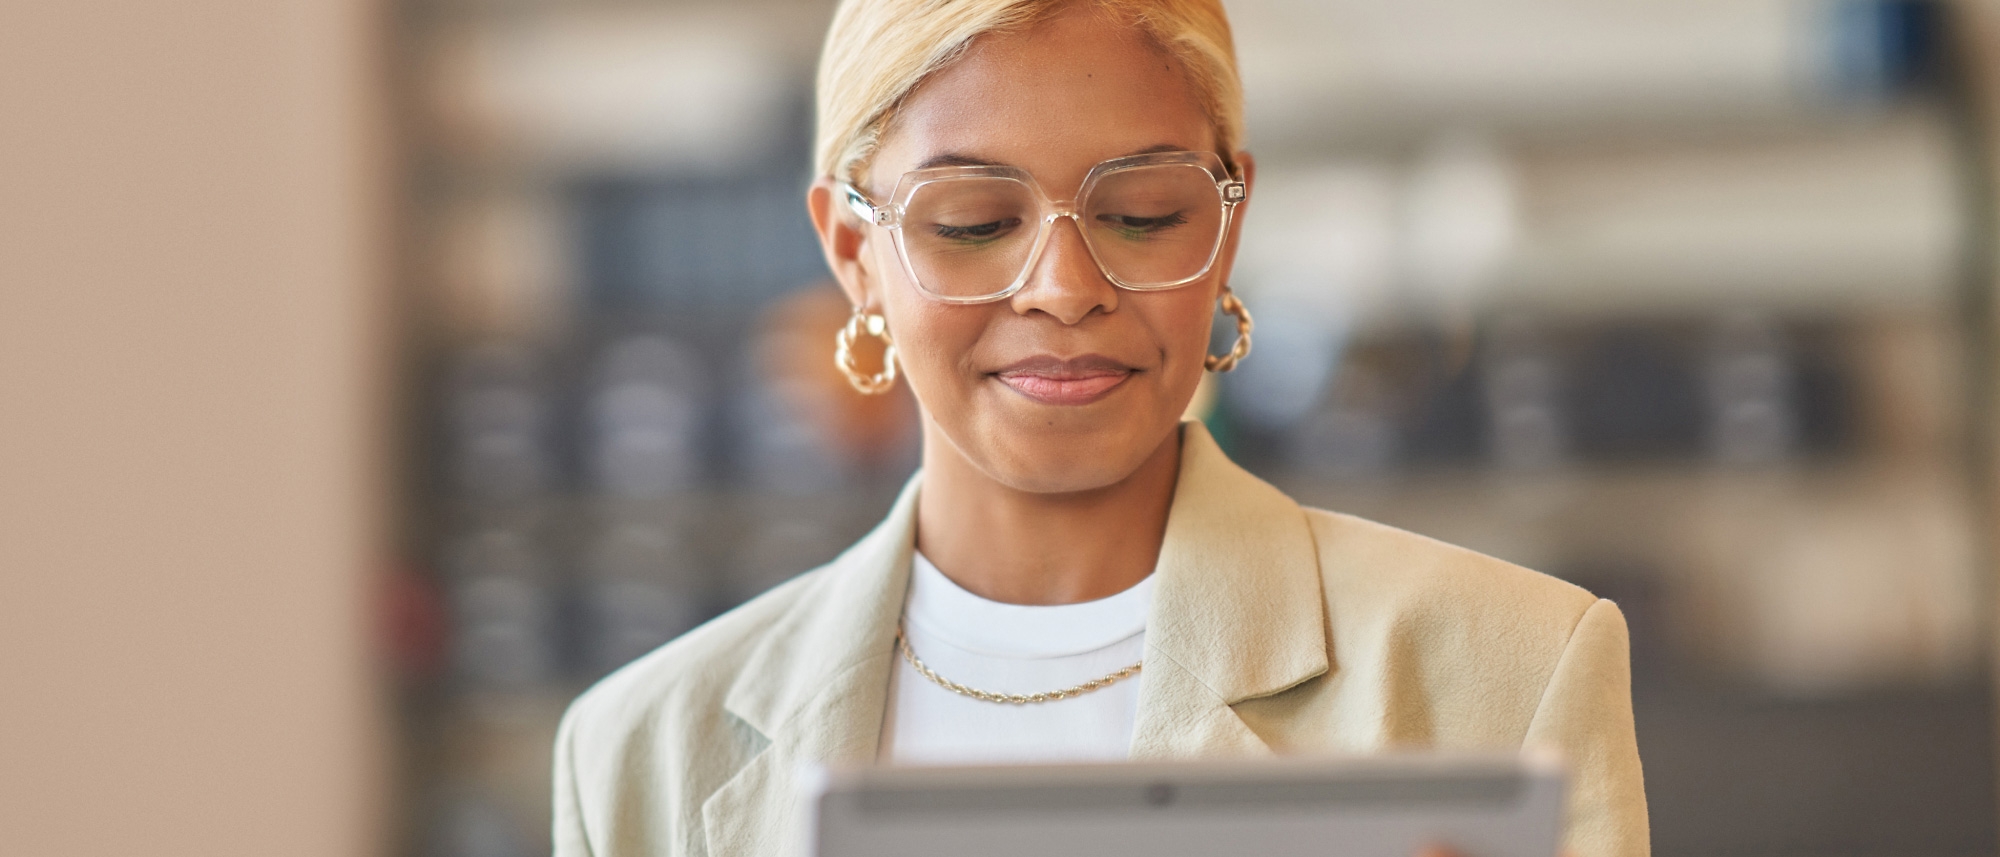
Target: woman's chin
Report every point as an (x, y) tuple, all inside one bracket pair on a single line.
[(1057, 459), (1074, 480)]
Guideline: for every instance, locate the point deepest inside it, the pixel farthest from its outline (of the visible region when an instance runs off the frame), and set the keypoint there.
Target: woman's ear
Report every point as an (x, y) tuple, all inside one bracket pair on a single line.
[(843, 239)]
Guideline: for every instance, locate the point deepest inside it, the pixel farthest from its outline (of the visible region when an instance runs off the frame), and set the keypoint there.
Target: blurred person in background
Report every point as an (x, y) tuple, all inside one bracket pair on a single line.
[(1032, 207)]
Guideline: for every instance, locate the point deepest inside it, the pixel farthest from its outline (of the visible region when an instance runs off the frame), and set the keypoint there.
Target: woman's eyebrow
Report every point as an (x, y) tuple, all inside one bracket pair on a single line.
[(956, 159)]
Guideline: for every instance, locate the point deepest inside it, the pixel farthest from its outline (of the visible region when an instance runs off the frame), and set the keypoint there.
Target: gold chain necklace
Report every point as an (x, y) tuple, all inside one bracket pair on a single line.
[(903, 645)]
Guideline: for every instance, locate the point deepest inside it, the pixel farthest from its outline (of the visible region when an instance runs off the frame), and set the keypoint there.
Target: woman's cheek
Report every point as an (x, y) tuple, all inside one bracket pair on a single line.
[(1185, 330), (928, 343)]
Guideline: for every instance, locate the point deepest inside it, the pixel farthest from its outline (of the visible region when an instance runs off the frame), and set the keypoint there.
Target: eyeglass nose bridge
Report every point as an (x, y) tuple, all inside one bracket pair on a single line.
[(1053, 211)]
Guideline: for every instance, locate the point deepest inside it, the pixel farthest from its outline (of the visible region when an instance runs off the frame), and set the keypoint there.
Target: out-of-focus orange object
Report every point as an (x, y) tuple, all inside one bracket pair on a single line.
[(795, 341)]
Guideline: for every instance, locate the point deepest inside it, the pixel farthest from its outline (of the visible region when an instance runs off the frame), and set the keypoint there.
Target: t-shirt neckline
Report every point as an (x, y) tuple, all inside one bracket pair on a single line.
[(947, 611)]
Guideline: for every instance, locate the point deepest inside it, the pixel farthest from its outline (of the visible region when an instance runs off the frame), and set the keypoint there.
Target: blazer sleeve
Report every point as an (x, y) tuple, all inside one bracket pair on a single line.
[(569, 837), (1585, 715)]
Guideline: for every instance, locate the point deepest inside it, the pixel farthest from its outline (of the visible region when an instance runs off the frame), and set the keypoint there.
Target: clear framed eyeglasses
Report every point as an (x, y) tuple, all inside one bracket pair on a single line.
[(974, 234)]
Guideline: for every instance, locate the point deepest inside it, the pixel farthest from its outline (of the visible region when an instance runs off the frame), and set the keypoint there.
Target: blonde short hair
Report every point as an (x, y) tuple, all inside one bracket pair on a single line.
[(878, 51)]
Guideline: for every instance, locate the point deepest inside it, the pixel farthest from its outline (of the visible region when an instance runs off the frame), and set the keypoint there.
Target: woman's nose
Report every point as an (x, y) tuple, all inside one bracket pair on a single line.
[(1066, 282)]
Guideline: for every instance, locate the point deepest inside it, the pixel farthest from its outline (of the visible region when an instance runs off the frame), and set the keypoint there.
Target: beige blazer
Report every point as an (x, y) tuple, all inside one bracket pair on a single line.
[(1274, 629)]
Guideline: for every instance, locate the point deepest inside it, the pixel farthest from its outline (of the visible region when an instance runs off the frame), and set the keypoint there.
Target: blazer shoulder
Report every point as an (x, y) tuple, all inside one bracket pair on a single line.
[(692, 672), (1397, 571), (656, 733)]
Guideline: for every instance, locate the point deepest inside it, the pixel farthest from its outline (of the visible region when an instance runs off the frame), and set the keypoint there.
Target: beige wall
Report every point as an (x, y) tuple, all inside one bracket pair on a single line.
[(190, 343)]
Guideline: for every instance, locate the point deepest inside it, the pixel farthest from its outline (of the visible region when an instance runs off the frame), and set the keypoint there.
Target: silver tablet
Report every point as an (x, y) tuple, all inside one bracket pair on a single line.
[(1378, 806)]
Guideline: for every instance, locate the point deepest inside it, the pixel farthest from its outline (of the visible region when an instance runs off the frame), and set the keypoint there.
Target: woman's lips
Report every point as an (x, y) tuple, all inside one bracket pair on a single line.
[(1054, 381)]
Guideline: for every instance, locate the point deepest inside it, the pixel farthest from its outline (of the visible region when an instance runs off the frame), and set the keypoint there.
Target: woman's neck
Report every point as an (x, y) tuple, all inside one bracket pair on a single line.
[(1021, 547)]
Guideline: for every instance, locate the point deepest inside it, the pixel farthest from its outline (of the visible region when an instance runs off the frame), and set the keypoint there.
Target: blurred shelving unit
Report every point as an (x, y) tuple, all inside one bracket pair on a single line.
[(1677, 299), (629, 425)]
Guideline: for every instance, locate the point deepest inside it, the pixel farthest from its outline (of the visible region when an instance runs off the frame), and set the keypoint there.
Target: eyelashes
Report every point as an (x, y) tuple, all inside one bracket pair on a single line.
[(1125, 225), (976, 232), (1139, 227)]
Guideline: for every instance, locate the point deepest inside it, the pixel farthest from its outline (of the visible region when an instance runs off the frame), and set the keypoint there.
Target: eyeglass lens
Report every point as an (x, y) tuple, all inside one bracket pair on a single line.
[(1149, 227)]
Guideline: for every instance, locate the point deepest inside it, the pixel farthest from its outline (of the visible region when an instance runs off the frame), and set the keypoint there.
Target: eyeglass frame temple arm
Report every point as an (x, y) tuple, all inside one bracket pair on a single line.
[(880, 215)]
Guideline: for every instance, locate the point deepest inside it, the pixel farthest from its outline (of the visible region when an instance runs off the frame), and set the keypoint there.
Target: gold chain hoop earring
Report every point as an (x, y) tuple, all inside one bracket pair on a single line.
[(1233, 306), (873, 324)]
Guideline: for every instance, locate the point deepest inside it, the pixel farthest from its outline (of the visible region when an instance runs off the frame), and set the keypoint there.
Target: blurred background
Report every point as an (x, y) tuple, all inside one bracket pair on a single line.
[(376, 376)]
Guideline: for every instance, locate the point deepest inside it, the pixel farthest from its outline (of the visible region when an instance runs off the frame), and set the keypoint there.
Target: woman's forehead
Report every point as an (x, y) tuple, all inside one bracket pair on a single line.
[(963, 159), (1054, 100)]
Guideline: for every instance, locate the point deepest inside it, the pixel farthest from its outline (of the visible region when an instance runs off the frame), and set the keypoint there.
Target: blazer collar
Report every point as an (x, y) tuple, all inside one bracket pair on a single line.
[(1237, 614), (1238, 611), (815, 687), (837, 638)]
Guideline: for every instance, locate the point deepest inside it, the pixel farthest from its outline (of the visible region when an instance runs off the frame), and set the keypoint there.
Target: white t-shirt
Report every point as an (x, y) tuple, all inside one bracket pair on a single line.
[(1016, 649)]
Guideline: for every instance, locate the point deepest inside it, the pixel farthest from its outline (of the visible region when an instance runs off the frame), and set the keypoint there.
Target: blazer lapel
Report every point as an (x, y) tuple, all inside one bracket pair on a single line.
[(1238, 611), (816, 687), (1237, 614)]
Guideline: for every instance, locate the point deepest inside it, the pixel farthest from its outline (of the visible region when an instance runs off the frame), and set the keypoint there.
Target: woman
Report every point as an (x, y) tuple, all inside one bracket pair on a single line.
[(1074, 574)]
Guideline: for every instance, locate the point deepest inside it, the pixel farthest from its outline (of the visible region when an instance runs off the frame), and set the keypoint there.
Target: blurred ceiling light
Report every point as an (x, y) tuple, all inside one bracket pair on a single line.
[(1346, 70), (617, 89), (1460, 213), (1866, 218), (1323, 237)]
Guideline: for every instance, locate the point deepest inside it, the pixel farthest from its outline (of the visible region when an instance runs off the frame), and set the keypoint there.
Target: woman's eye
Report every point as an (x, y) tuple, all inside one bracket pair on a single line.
[(977, 231), (1135, 227)]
